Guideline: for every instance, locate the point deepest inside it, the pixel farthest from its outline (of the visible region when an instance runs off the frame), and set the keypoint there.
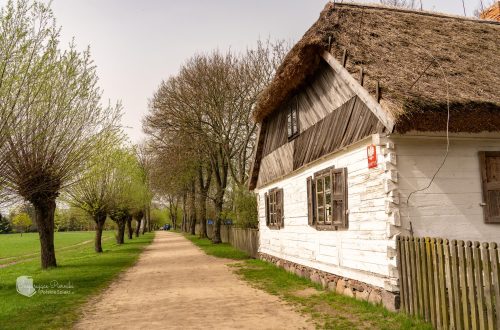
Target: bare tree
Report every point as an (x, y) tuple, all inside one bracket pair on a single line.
[(211, 101), (56, 122)]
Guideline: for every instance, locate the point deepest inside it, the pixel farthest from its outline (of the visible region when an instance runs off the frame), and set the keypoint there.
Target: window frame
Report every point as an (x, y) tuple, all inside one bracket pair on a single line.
[(273, 200), (329, 221), (292, 119), (486, 186)]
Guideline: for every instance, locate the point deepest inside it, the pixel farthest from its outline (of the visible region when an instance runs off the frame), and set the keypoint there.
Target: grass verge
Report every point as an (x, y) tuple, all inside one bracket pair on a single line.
[(80, 268), (223, 250), (328, 310)]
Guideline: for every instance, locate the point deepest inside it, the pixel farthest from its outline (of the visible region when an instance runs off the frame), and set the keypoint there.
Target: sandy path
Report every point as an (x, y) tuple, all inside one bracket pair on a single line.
[(175, 285)]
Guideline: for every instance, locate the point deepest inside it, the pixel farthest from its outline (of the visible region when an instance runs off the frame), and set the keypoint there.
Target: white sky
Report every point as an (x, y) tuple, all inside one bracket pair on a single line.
[(137, 44)]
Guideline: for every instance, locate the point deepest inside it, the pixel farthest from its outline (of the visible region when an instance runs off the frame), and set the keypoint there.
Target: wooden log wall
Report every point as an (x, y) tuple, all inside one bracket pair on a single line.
[(452, 284)]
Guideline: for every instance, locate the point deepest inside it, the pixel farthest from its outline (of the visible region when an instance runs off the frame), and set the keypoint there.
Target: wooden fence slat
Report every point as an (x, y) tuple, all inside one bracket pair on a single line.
[(449, 292), (436, 283), (485, 253), (414, 291), (479, 285), (495, 276), (430, 279), (472, 285), (442, 285), (425, 282), (463, 285), (420, 294), (455, 283), (402, 272), (408, 274)]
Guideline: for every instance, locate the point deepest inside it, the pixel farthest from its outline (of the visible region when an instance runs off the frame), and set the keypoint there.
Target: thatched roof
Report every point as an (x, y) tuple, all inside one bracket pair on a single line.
[(422, 61)]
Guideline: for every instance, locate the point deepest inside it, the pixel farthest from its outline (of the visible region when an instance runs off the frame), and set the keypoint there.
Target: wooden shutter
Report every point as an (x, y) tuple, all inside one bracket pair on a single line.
[(490, 176), (279, 208), (310, 201), (339, 197), (266, 201)]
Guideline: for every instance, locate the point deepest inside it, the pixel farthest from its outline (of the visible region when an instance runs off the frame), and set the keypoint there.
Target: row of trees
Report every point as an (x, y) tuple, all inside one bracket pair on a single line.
[(201, 134), (57, 139)]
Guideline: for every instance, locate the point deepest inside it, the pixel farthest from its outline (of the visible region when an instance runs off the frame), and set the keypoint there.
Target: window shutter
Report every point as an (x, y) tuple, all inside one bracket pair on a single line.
[(310, 201), (279, 208), (339, 197), (266, 200), (490, 177)]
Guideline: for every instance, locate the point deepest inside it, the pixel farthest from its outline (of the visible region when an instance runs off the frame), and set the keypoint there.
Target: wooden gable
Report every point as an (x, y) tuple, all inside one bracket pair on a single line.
[(332, 114)]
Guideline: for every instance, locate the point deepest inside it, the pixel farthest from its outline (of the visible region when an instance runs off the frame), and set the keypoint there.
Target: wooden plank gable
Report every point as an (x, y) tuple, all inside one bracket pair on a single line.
[(334, 111)]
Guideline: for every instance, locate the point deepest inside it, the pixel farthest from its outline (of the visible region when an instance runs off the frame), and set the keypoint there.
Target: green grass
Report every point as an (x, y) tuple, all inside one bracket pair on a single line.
[(328, 310), (223, 250), (80, 266), (14, 247)]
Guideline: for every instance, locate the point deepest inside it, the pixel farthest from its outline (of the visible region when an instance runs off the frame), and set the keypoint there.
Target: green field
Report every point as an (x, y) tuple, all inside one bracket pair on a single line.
[(79, 268), (14, 247)]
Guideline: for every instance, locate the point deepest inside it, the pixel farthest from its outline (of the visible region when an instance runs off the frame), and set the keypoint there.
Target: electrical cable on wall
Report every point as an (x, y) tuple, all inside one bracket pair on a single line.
[(447, 141)]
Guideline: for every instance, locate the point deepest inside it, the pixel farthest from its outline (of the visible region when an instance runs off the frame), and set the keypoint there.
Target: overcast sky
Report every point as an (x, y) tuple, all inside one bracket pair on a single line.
[(137, 44)]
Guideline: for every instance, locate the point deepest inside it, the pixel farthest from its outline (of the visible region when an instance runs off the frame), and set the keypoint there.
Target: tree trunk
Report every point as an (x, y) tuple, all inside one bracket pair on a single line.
[(120, 237), (192, 207), (44, 218), (202, 205), (146, 221), (99, 219), (216, 239), (129, 227), (138, 228)]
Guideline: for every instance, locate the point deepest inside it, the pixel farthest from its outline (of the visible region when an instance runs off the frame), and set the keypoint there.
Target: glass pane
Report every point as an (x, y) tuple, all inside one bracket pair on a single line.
[(328, 207), (319, 199), (328, 184), (321, 215), (319, 185)]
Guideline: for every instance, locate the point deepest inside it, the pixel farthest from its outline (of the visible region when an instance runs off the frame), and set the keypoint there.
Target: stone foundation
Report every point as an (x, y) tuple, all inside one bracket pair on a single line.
[(339, 284)]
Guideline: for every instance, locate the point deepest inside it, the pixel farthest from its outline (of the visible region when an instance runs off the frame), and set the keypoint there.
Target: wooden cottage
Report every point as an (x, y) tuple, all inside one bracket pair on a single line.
[(379, 122)]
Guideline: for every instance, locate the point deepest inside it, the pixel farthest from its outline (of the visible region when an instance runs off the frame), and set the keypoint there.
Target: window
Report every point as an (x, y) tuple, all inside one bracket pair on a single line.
[(327, 199), (490, 176), (293, 119), (274, 208)]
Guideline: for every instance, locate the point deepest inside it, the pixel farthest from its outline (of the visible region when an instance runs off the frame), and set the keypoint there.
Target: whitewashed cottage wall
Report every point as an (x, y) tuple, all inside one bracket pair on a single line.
[(450, 208), (361, 251)]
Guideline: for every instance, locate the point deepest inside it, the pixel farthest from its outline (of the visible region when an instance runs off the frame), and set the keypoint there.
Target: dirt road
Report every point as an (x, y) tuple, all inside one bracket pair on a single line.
[(174, 285)]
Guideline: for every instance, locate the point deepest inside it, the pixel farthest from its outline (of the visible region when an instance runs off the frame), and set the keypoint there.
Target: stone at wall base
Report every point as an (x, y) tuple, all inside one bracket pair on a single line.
[(339, 284), (390, 301), (362, 295)]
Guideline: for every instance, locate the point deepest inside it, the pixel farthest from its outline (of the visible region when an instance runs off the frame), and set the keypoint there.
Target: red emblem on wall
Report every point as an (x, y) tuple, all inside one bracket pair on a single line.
[(371, 151)]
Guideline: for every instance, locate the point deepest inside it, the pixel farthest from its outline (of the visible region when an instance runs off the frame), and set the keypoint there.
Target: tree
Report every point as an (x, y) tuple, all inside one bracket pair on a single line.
[(57, 121), (402, 3), (93, 192), (5, 226), (22, 221), (210, 102), (483, 6), (129, 193)]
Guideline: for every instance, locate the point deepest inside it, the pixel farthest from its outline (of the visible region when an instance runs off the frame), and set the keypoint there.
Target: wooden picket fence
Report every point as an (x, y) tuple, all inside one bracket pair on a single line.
[(452, 284), (245, 239)]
